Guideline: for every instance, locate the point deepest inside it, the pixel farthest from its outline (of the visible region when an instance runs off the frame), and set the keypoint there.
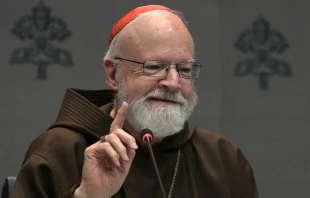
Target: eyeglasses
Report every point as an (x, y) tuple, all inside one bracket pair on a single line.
[(158, 68)]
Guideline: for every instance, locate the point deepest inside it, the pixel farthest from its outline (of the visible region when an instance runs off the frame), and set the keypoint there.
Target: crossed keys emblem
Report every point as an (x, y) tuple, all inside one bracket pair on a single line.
[(263, 45), (41, 31)]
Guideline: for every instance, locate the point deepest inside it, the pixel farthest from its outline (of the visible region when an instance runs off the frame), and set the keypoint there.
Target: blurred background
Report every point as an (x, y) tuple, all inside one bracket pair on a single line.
[(252, 87)]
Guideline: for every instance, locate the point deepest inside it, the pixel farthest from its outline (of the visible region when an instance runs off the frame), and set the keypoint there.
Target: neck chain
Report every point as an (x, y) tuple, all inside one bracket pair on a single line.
[(175, 173)]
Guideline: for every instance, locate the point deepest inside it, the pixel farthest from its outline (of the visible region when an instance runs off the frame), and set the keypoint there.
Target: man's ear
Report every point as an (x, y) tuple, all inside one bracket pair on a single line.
[(110, 71)]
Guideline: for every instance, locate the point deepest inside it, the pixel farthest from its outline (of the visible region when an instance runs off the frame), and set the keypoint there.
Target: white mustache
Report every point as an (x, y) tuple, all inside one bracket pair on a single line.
[(164, 95)]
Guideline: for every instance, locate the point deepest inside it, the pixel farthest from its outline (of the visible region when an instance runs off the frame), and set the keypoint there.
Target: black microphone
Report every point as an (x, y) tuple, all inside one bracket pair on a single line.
[(146, 136)]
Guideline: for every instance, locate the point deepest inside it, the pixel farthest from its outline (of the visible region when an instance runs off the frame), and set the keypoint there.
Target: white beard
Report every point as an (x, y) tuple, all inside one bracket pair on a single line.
[(162, 119)]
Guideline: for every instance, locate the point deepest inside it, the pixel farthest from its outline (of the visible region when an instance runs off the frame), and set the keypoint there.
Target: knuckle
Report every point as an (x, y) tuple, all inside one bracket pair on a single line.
[(87, 150), (122, 150), (112, 136), (118, 131), (114, 155), (132, 139), (120, 112)]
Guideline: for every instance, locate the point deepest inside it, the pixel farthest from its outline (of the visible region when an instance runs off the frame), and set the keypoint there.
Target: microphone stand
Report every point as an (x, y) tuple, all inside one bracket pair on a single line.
[(155, 166)]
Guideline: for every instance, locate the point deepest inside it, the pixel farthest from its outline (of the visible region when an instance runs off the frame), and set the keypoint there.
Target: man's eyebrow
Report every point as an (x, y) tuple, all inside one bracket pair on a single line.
[(192, 60)]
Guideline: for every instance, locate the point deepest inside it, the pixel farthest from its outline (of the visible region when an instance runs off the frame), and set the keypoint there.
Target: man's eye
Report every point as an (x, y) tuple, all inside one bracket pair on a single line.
[(153, 67), (185, 70)]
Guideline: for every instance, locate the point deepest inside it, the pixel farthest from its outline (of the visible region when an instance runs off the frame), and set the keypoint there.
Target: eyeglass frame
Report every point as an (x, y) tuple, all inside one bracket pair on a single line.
[(176, 65)]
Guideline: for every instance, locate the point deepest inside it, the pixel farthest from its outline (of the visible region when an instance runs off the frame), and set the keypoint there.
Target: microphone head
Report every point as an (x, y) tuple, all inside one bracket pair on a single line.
[(146, 134)]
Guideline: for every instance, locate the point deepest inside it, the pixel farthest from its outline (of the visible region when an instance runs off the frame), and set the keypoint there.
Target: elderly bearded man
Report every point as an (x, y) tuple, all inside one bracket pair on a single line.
[(94, 149)]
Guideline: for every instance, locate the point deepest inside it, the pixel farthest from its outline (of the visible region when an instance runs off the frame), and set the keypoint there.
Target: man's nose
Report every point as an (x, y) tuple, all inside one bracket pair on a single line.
[(171, 81)]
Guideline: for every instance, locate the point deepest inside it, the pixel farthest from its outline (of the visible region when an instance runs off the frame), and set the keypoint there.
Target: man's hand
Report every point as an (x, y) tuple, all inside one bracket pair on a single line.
[(106, 165)]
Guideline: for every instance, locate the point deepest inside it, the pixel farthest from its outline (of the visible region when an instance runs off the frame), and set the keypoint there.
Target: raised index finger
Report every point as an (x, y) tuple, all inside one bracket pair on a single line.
[(120, 117)]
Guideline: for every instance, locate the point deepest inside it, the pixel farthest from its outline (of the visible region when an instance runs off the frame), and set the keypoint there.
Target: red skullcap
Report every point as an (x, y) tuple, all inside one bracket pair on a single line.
[(132, 15)]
